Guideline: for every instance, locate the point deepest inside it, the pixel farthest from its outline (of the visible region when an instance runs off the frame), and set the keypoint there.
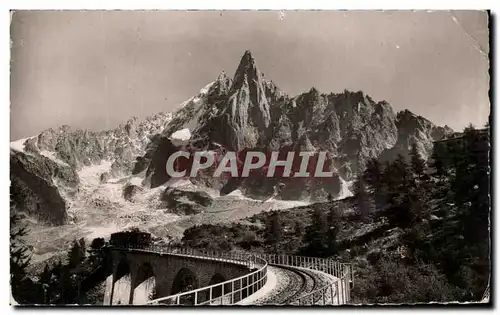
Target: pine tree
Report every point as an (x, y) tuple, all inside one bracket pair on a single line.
[(470, 184), (419, 203), (394, 177), (97, 243), (67, 286), (378, 179), (316, 236), (461, 247), (418, 188), (57, 269), (440, 170), (83, 249), (74, 255), (401, 171), (373, 174), (19, 252), (274, 231), (333, 228), (397, 177), (46, 274), (96, 251), (388, 177), (46, 283), (363, 199), (298, 229), (19, 259), (418, 164)]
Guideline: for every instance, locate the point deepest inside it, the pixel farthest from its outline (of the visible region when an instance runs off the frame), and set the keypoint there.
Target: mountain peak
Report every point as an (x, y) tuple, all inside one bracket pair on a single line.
[(313, 91), (223, 82), (223, 77), (246, 71), (247, 55), (248, 108), (406, 115), (247, 61), (222, 74)]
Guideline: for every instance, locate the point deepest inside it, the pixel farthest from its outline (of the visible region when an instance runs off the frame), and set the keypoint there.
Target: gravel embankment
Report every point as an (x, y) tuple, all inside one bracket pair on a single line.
[(288, 284), (291, 284)]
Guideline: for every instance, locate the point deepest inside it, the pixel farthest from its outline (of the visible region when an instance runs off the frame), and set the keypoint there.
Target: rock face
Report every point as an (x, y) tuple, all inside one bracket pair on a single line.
[(121, 145), (129, 192), (44, 169), (38, 185), (416, 129), (251, 113), (244, 113)]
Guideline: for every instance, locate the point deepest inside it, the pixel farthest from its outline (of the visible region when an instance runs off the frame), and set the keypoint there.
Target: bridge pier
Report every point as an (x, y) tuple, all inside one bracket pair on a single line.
[(108, 291), (121, 291), (133, 284)]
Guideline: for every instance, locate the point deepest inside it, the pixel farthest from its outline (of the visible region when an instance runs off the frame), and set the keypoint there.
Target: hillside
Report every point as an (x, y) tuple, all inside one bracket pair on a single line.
[(78, 183), (414, 231)]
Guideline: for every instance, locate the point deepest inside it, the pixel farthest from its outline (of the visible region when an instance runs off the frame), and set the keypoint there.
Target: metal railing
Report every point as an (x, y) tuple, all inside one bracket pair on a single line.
[(335, 292), (223, 293)]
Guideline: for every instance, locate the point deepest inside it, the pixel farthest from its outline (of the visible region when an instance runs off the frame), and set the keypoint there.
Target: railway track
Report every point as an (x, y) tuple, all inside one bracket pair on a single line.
[(290, 280), (309, 284), (293, 283)]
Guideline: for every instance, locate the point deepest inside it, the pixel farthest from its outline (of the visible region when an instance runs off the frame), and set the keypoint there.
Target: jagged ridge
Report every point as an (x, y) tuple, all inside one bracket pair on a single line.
[(249, 112), (243, 113)]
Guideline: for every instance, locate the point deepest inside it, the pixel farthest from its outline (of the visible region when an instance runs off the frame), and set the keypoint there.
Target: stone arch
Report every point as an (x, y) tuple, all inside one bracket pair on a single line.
[(185, 280), (122, 269), (144, 284), (217, 278), (144, 272)]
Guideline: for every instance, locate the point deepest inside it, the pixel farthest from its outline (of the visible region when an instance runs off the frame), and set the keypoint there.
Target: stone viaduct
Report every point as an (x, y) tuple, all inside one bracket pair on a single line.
[(139, 276)]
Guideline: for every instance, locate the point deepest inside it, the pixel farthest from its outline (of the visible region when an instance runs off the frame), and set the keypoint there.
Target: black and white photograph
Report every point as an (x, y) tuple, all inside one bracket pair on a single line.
[(305, 158)]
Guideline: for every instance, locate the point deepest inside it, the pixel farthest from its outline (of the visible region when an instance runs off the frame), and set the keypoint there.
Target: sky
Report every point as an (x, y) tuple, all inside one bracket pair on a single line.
[(96, 69)]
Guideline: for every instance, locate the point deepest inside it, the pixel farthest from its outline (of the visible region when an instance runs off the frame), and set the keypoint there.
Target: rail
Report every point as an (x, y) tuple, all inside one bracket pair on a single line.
[(337, 291)]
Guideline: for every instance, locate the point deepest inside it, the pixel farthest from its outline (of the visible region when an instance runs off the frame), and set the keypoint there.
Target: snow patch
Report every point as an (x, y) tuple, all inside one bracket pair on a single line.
[(52, 156), (18, 145), (286, 204), (183, 104), (178, 182), (182, 135), (238, 194), (137, 181), (196, 98), (206, 88), (274, 204), (90, 175)]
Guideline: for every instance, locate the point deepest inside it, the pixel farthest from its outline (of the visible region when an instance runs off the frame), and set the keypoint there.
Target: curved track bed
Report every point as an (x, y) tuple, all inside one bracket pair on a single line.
[(292, 283)]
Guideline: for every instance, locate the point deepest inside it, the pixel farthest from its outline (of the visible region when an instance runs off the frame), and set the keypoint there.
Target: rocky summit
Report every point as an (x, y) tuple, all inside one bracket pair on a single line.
[(55, 173), (251, 113)]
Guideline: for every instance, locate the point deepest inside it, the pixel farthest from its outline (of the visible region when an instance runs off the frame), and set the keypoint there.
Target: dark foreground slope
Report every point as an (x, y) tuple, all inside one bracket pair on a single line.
[(419, 233)]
